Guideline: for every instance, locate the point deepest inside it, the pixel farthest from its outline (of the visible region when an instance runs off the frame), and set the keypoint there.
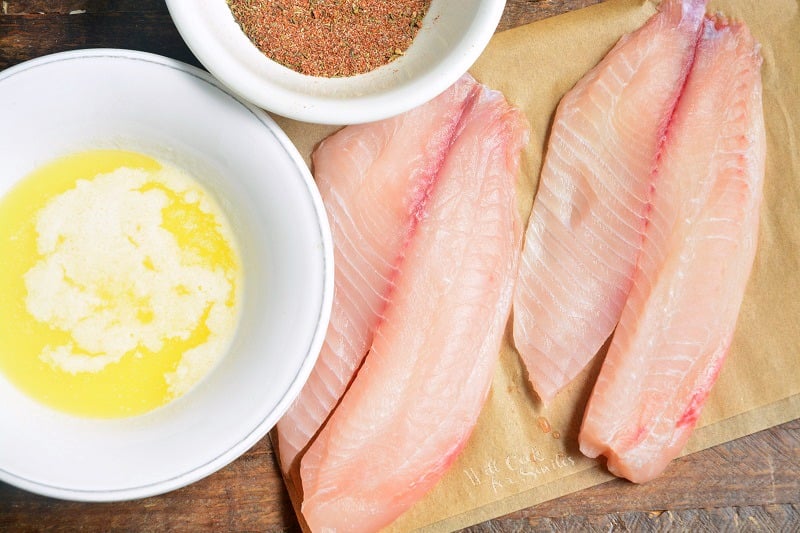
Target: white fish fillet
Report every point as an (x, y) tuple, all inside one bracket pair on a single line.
[(374, 180), (417, 397), (588, 217), (678, 323)]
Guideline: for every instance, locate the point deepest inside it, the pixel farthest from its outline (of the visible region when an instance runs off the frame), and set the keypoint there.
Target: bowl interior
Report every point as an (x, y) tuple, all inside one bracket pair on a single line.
[(127, 100), (452, 37)]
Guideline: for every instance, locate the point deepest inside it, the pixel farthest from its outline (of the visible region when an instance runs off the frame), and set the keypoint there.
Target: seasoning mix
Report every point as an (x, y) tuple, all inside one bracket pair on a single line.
[(331, 38)]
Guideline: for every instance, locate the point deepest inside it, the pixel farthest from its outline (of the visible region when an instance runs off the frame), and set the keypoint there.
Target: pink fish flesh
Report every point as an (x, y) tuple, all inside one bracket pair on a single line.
[(417, 397), (374, 180), (678, 322), (588, 218)]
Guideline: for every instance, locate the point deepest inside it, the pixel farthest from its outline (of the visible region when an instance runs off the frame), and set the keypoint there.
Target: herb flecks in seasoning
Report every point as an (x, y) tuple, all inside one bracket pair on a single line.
[(331, 38)]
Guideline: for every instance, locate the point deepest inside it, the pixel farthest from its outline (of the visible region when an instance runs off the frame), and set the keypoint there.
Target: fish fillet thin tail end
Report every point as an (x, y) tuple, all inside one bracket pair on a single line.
[(719, 22), (689, 12), (619, 465)]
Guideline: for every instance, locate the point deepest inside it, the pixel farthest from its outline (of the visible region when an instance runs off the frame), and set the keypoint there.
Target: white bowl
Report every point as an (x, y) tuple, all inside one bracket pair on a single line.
[(119, 99), (453, 35)]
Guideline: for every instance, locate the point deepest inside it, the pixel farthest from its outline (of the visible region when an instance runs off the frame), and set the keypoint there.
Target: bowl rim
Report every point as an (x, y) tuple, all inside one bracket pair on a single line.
[(268, 419), (328, 110)]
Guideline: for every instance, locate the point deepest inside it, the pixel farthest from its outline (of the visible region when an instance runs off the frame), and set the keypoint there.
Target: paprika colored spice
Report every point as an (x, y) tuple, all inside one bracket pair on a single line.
[(330, 38)]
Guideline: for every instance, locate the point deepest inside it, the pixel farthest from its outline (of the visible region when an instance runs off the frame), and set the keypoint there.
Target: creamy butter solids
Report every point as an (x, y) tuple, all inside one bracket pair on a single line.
[(120, 283)]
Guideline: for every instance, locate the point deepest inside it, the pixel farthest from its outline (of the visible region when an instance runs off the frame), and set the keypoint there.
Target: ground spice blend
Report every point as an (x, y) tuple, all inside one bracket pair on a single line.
[(330, 38)]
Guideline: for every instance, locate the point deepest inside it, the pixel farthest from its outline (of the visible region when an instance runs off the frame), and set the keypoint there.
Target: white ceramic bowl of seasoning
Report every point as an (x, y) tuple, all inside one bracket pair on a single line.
[(452, 36), (117, 99)]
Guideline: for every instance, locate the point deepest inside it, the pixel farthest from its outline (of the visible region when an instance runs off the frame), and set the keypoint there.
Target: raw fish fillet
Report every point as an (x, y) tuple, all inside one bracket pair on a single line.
[(374, 180), (699, 248), (588, 217), (415, 400)]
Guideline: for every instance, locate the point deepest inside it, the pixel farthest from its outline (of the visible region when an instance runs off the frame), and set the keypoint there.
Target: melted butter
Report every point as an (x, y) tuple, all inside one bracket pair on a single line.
[(120, 284)]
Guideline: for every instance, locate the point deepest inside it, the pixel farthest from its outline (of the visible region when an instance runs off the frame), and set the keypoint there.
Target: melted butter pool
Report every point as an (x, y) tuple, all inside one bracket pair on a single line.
[(120, 285)]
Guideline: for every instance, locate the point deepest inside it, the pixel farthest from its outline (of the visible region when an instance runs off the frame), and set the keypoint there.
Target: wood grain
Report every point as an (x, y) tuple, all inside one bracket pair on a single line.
[(741, 519), (32, 28), (247, 495), (760, 471), (755, 484), (756, 481), (519, 12)]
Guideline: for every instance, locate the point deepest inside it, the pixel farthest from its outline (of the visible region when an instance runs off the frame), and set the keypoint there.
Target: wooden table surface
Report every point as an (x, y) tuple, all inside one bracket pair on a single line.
[(756, 480)]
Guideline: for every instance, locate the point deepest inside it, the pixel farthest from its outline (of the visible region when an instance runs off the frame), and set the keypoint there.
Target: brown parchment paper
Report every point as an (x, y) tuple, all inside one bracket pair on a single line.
[(522, 453)]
